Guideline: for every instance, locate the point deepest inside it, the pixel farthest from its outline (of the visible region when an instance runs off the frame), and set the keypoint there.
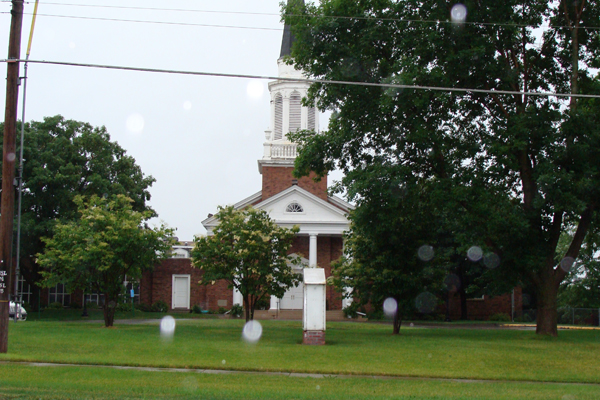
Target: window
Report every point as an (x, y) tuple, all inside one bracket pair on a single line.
[(58, 294), (294, 208), (24, 290), (295, 112), (278, 128)]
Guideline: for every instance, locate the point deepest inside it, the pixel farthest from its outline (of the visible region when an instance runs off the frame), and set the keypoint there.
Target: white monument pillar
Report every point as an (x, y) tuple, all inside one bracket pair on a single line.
[(312, 251), (314, 312)]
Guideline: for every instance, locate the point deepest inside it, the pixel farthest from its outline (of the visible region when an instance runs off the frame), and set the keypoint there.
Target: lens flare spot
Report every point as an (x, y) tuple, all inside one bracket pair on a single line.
[(426, 303), (167, 327), (187, 105), (255, 89), (426, 253), (458, 13), (390, 306), (567, 263), (135, 123), (475, 253), (491, 260), (252, 331)]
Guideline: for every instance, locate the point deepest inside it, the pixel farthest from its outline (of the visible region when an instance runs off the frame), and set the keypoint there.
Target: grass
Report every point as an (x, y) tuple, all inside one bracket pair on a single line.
[(352, 348)]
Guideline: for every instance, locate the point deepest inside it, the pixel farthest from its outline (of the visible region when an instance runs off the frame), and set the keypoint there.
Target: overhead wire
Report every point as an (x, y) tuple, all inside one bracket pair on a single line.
[(544, 27), (366, 84)]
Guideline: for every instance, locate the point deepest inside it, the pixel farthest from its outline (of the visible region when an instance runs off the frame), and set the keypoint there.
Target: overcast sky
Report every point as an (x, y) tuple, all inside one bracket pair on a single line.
[(200, 137)]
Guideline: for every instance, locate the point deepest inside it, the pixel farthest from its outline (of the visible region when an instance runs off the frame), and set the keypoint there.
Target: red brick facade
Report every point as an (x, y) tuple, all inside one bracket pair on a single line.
[(158, 285), (483, 309), (277, 179), (313, 337)]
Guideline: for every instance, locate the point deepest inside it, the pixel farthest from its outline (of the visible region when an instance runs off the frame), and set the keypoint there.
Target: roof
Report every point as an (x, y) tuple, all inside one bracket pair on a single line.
[(288, 37)]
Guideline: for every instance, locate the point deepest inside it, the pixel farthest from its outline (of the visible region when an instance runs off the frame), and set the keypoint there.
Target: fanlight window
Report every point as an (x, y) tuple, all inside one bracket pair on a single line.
[(294, 208)]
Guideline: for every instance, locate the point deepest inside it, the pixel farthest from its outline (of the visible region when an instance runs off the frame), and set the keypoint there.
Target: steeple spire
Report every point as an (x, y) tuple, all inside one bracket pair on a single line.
[(288, 37)]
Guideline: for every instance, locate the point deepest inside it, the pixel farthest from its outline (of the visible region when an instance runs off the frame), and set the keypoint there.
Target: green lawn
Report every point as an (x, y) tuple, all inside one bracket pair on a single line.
[(353, 348)]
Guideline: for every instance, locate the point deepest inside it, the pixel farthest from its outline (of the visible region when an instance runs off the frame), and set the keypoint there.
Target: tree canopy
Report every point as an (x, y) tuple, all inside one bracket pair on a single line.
[(63, 159), (249, 251), (510, 171), (105, 245)]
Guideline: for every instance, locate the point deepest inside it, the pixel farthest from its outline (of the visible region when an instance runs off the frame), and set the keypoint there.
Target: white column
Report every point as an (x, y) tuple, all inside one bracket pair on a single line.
[(286, 115), (274, 303), (237, 297), (312, 251)]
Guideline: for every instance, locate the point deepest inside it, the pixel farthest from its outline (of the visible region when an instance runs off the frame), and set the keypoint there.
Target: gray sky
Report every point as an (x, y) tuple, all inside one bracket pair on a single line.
[(200, 137)]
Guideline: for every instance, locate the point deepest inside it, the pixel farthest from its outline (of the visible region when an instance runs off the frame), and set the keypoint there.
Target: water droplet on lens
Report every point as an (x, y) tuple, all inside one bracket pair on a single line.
[(567, 263), (474, 253), (223, 362), (491, 260), (135, 123), (318, 387), (426, 302), (187, 105), (426, 253), (429, 355), (412, 325), (458, 13), (390, 306), (252, 331), (10, 157), (167, 327)]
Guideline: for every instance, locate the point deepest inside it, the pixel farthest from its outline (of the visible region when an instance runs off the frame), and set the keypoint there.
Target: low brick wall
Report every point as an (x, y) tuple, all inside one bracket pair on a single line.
[(313, 338)]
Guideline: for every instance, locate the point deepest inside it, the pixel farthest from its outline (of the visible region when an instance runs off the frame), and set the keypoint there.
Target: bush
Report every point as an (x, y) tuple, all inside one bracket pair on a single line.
[(350, 311), (197, 309), (74, 306), (375, 315), (123, 307), (237, 311), (143, 307), (55, 306), (500, 317), (160, 306), (221, 310)]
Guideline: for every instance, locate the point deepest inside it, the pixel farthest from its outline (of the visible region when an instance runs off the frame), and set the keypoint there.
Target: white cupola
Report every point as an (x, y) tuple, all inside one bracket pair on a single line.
[(287, 112)]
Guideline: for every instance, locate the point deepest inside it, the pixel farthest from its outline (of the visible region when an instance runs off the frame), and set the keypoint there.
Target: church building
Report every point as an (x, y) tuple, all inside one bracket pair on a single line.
[(302, 202)]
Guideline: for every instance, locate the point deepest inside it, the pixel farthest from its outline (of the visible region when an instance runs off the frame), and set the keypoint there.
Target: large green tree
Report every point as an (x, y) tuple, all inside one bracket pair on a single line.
[(63, 159), (512, 170), (250, 252), (106, 244)]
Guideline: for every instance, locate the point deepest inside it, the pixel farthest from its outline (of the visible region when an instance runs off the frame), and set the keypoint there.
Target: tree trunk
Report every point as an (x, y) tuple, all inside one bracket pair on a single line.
[(247, 309), (109, 312), (397, 321), (547, 315)]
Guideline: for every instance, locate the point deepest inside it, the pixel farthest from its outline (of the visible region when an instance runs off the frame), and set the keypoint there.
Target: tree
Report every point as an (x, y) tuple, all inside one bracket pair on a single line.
[(106, 244), (390, 249), (512, 170), (63, 159), (249, 251)]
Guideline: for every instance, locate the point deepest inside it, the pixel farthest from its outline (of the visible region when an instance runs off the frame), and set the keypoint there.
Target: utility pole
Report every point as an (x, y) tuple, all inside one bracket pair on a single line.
[(9, 157)]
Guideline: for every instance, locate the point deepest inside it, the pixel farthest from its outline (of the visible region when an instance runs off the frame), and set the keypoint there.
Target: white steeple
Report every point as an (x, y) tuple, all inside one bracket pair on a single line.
[(287, 112)]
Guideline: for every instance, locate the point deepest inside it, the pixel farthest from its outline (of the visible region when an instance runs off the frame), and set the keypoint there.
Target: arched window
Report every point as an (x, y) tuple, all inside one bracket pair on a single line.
[(294, 208), (295, 111), (278, 128)]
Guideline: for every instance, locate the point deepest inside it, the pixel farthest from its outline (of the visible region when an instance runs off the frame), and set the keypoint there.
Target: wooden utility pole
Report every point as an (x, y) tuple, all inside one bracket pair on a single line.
[(9, 157)]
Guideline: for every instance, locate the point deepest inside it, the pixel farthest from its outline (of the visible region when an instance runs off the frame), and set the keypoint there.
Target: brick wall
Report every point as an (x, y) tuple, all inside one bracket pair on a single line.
[(482, 309), (278, 179), (158, 285)]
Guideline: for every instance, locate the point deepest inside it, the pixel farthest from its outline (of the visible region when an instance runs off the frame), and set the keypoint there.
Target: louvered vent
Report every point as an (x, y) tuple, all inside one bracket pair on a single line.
[(278, 129), (312, 119), (295, 112)]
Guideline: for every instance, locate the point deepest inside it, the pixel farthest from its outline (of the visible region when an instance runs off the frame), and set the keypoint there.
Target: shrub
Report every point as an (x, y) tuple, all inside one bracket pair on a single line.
[(143, 307), (500, 317), (197, 309), (74, 306), (123, 307), (221, 310), (160, 306), (237, 311), (55, 306), (375, 315), (350, 311)]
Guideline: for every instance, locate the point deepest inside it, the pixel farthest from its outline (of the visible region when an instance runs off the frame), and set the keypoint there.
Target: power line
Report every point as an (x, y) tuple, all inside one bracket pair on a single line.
[(367, 84), (154, 22), (475, 23)]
